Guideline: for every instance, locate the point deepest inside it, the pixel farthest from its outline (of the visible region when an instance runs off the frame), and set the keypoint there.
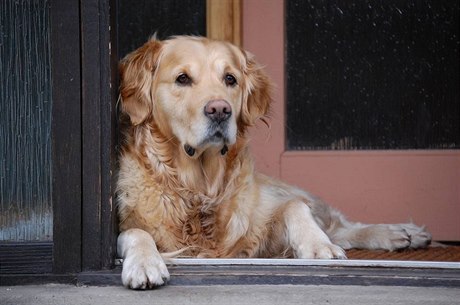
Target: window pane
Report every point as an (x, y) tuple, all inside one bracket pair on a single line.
[(373, 75), (25, 118), (140, 19)]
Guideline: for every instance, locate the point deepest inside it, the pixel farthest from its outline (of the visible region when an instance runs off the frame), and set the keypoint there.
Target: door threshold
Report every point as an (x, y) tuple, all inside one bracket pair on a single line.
[(313, 262)]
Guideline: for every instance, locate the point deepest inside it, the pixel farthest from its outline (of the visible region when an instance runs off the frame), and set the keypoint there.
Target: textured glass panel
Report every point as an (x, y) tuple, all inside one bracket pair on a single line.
[(25, 118), (373, 74), (140, 19)]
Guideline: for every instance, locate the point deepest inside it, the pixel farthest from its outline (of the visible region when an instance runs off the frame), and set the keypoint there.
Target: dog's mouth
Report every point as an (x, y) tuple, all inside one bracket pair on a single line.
[(216, 137)]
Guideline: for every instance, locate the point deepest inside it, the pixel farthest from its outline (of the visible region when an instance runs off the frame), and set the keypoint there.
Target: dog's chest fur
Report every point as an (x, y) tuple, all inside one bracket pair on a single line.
[(190, 207), (176, 218)]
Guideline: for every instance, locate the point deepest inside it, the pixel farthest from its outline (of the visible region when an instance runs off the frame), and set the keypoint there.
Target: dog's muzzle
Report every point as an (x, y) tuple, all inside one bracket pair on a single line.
[(218, 112)]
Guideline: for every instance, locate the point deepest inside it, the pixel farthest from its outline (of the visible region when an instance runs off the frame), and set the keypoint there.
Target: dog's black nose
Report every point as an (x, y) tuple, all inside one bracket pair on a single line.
[(218, 110)]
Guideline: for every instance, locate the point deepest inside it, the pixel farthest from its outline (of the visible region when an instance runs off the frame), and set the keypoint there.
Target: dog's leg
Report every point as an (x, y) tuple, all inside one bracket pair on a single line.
[(143, 266), (381, 236), (347, 234), (304, 236)]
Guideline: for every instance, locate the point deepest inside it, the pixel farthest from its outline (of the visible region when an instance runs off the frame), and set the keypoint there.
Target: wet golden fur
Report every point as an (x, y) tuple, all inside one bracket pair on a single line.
[(210, 201)]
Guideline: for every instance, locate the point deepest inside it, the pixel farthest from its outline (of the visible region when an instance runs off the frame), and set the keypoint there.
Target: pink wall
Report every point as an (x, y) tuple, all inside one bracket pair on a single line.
[(368, 186), (384, 186), (263, 35)]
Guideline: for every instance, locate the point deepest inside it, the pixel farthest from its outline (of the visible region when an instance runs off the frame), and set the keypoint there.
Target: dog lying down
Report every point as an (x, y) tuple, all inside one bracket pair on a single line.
[(187, 182)]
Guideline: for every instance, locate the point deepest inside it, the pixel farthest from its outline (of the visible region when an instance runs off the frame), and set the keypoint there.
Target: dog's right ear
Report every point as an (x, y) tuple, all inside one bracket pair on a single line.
[(137, 70)]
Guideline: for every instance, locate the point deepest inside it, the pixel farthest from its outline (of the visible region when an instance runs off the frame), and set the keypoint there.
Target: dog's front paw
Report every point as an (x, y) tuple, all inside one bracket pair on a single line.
[(144, 272), (320, 250)]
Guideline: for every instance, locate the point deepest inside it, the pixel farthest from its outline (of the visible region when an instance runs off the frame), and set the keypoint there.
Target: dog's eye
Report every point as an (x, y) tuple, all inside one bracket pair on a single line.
[(230, 80), (183, 80)]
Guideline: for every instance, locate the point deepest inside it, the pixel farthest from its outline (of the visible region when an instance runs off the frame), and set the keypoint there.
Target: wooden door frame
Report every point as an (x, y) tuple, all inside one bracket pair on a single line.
[(66, 135), (84, 74), (223, 20)]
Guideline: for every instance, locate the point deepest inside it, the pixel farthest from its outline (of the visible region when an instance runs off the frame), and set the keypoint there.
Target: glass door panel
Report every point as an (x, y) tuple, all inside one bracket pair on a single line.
[(25, 121)]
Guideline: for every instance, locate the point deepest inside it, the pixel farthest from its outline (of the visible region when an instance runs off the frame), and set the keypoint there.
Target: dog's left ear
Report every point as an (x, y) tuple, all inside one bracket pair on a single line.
[(256, 104)]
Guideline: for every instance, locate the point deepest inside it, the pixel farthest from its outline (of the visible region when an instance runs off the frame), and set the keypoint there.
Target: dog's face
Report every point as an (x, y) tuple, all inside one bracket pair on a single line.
[(199, 91)]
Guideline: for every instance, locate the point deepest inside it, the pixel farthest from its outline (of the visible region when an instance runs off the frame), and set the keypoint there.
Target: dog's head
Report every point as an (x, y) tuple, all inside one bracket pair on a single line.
[(201, 92)]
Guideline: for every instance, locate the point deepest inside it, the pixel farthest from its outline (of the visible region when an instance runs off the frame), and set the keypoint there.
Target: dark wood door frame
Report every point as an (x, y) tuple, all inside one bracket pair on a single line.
[(99, 91), (66, 135), (84, 99), (84, 78)]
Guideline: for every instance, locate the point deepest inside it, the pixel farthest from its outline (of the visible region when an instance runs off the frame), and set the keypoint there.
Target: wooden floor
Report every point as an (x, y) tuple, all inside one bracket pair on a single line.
[(434, 253)]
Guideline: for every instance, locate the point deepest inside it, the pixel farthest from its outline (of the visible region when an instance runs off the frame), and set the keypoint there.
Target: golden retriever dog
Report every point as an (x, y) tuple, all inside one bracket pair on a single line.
[(186, 179)]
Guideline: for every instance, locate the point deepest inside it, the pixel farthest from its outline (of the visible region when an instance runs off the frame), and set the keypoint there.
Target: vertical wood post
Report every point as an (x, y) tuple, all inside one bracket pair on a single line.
[(223, 20)]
